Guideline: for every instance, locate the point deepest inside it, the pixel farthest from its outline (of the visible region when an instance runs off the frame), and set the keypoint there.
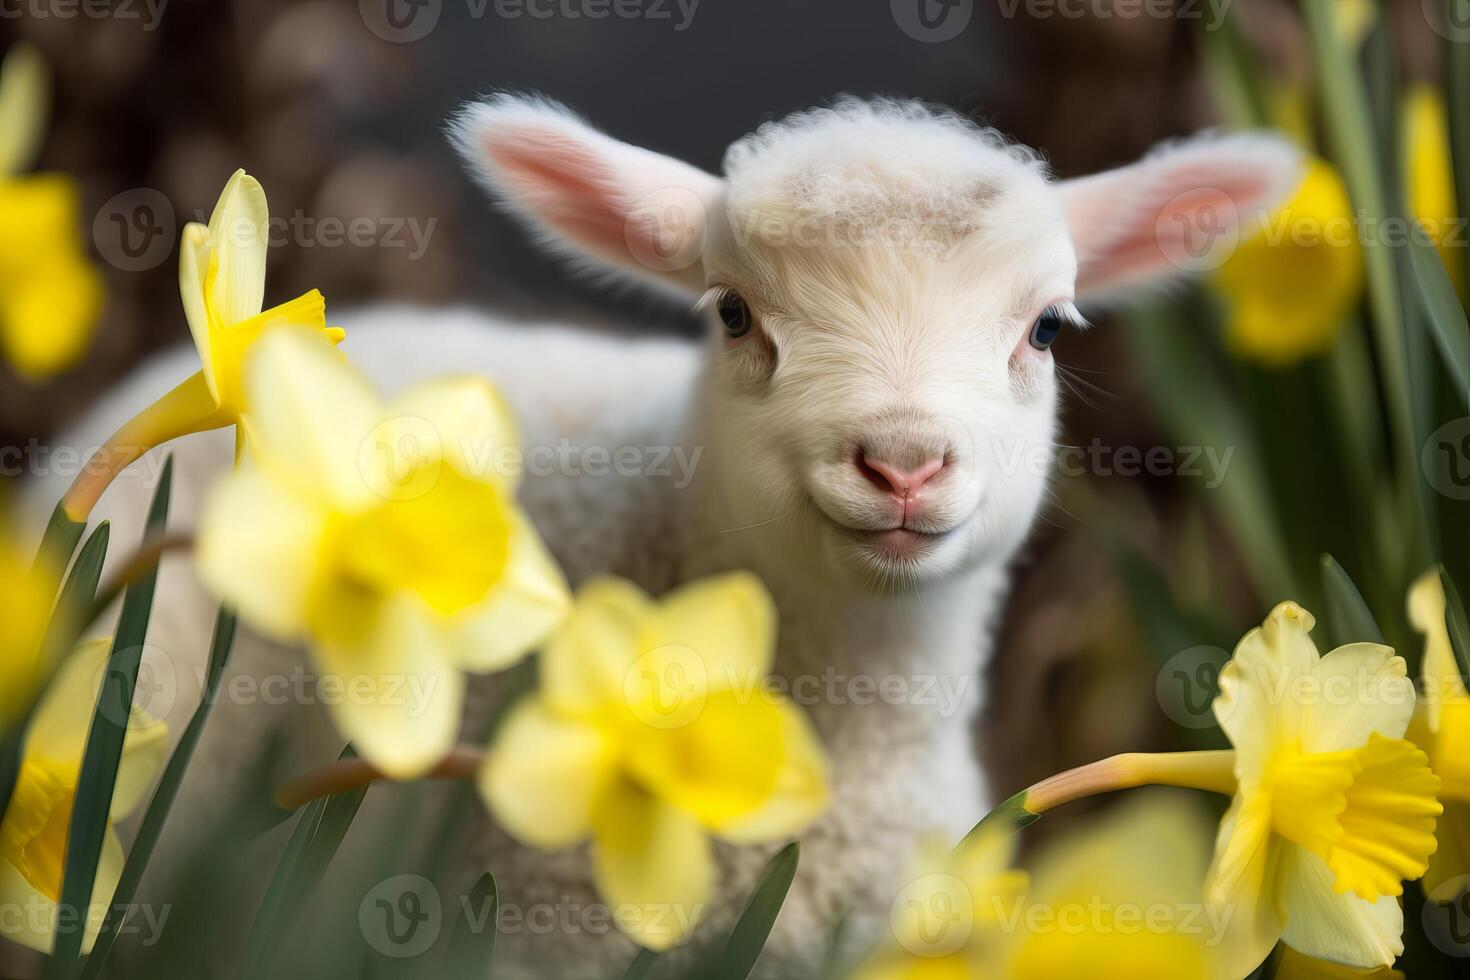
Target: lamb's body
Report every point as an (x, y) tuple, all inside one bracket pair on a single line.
[(901, 765)]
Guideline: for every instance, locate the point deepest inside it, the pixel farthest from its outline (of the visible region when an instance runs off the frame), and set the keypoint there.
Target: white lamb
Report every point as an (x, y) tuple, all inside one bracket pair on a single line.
[(881, 281)]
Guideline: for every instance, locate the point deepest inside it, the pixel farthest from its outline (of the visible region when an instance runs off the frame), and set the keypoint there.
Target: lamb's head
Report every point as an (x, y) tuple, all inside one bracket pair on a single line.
[(882, 282)]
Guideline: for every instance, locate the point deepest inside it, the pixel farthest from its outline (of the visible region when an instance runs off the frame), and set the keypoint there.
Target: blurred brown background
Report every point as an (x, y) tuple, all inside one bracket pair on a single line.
[(339, 113)]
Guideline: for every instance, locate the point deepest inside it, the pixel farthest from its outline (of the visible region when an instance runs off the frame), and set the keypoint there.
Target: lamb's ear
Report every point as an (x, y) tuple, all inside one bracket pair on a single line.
[(1178, 210), (584, 194)]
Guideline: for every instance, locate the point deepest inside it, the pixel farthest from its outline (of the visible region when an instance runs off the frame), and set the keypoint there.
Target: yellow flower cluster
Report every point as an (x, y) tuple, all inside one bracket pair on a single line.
[(375, 534)]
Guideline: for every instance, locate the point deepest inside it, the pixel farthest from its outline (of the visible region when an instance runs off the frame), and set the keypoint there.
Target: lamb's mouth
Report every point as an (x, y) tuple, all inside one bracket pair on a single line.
[(898, 543)]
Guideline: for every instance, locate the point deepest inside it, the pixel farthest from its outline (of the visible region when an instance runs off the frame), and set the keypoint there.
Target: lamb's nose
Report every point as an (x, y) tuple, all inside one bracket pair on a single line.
[(902, 483)]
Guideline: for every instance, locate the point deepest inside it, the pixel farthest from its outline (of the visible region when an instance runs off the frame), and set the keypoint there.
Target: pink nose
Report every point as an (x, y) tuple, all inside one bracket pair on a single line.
[(904, 484)]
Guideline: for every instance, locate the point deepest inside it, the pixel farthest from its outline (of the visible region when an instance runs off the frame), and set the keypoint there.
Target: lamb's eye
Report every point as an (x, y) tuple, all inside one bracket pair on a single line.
[(1046, 328), (735, 314)]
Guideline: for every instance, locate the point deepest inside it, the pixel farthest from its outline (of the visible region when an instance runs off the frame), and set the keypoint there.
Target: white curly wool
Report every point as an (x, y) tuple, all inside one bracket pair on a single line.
[(900, 329)]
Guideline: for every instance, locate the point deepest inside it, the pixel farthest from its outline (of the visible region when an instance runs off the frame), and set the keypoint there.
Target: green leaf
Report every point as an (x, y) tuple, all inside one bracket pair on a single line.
[(163, 798), (93, 800), (314, 842), (58, 542), (749, 936), (1442, 311), (1348, 615), (471, 951), (1190, 396), (1459, 626), (1457, 102), (641, 964), (1231, 67), (1349, 117), (76, 595)]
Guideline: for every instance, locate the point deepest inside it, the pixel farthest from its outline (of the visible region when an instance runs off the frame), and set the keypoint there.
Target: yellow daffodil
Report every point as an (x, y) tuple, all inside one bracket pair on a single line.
[(1295, 274), (33, 834), (1334, 809), (651, 730), (1442, 729), (949, 919), (1120, 899), (25, 609), (1429, 178), (222, 284), (1123, 900), (378, 534), (50, 293)]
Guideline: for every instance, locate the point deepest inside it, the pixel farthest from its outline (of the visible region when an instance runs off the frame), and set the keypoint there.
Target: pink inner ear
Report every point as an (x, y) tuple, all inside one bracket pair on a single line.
[(1167, 226), (564, 186)]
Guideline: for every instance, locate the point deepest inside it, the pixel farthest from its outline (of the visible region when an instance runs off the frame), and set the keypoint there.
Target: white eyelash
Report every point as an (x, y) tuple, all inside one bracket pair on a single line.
[(1068, 313), (712, 296)]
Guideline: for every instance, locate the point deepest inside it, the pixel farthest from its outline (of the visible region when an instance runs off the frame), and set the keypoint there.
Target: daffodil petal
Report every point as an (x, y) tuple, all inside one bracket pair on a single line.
[(62, 721), (728, 622), (239, 231), (31, 915), (59, 729), (257, 549), (1342, 928), (193, 264), (545, 775), (1259, 706), (25, 101), (1359, 689), (588, 661), (400, 695), (1450, 862), (718, 757), (1440, 670), (1241, 881), (801, 791), (311, 416), (524, 608), (32, 919), (462, 421), (653, 865)]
